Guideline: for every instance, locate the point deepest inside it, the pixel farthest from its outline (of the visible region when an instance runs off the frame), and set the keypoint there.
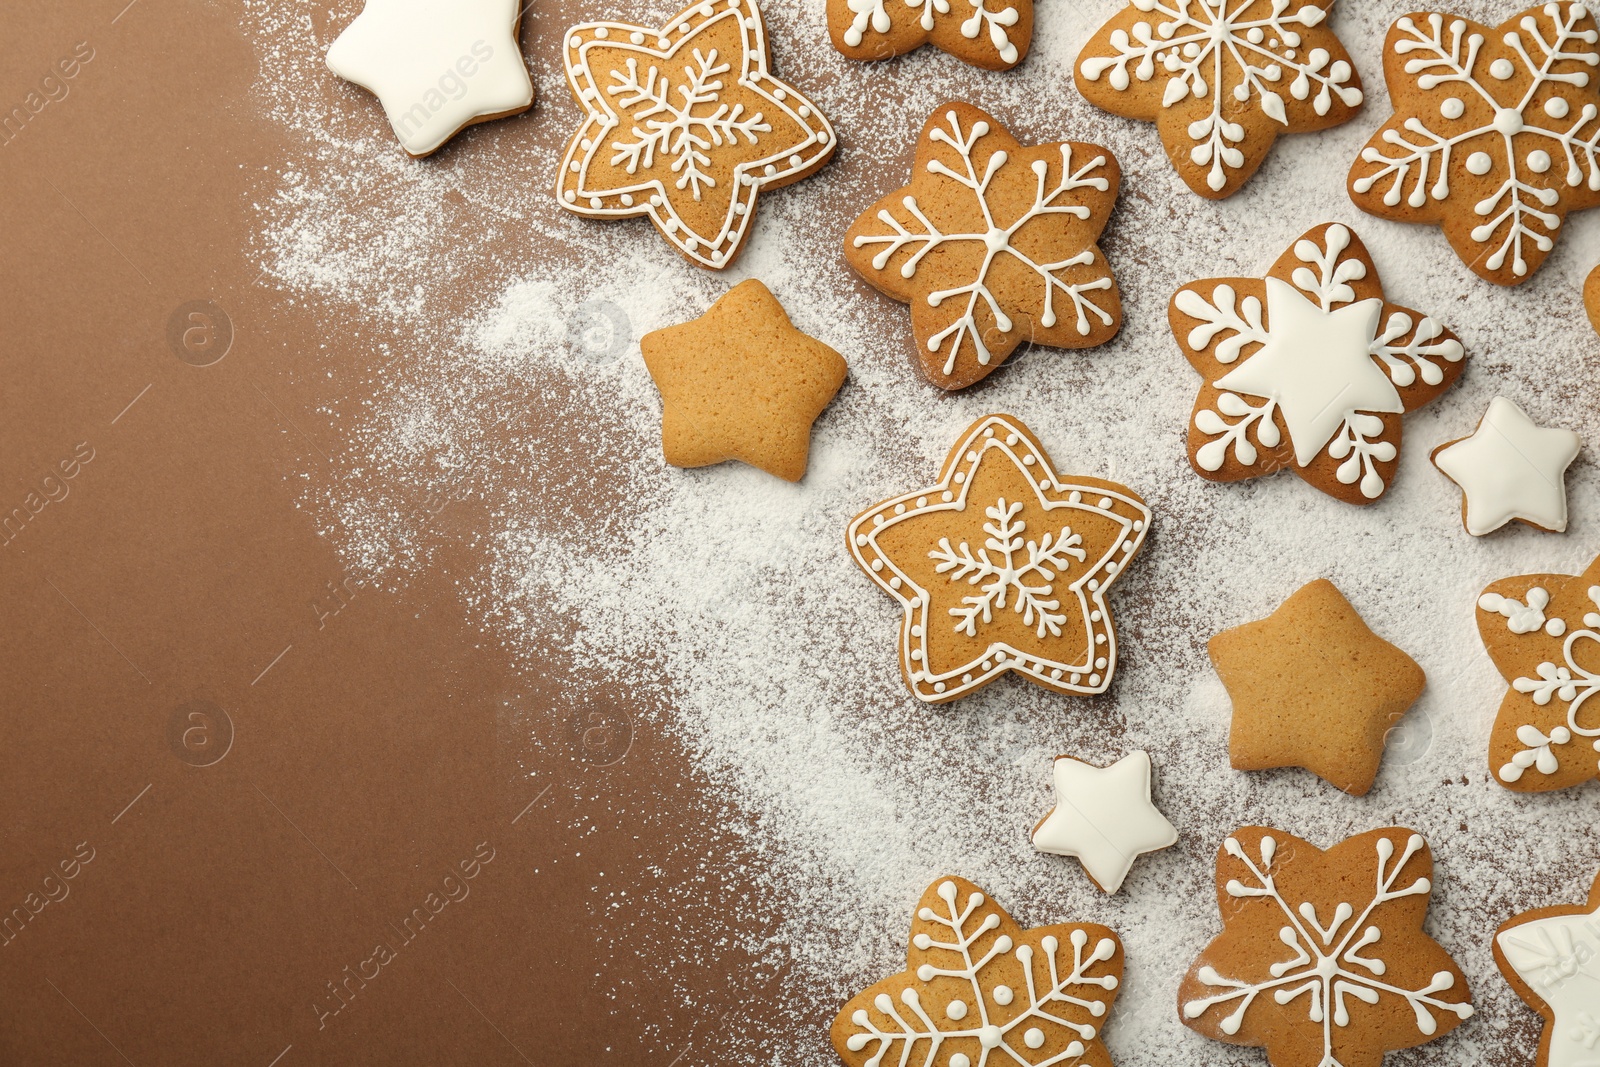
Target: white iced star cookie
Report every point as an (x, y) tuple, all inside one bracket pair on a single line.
[(1547, 955), (1104, 817), (1510, 469), (436, 65)]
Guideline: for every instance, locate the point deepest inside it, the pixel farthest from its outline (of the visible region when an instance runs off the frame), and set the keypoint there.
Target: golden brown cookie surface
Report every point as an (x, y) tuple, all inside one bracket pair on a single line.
[(1547, 956), (993, 34), (1591, 298)]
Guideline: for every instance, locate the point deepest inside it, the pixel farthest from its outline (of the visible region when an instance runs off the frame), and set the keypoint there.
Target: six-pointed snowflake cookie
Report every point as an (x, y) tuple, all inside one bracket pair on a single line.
[(1104, 817), (1510, 470), (686, 124), (1322, 958), (980, 991), (993, 245), (1221, 79), (1002, 565), (1548, 956), (1543, 633), (993, 34), (1308, 368), (1494, 136)]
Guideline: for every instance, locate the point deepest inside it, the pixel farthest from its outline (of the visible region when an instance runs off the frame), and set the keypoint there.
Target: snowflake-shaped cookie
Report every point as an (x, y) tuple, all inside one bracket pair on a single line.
[(1548, 956), (1543, 633), (979, 991), (1221, 79), (1309, 368), (993, 244), (1322, 958), (1494, 135), (686, 125), (1002, 565), (993, 34)]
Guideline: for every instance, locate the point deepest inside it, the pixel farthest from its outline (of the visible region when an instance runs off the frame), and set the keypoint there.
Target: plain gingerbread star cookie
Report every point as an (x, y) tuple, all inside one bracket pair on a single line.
[(740, 382), (1510, 470), (1103, 817), (436, 65), (1547, 955)]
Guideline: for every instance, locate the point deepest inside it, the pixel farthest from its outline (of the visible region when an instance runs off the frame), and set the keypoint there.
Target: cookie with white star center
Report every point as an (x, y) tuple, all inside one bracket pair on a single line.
[(1510, 470), (1547, 955), (1495, 135), (686, 125), (1309, 368), (993, 34), (1103, 817), (1002, 565)]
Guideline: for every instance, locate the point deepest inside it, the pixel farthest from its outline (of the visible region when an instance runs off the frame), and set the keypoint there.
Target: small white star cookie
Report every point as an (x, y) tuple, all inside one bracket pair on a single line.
[(1510, 469), (1104, 817)]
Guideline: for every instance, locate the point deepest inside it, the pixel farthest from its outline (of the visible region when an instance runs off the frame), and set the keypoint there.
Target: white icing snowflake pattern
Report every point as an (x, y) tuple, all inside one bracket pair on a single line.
[(874, 15), (1004, 577), (1569, 682), (1554, 956)]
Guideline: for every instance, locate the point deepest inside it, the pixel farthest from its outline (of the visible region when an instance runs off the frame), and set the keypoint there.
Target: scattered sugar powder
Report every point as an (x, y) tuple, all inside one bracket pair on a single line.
[(501, 340)]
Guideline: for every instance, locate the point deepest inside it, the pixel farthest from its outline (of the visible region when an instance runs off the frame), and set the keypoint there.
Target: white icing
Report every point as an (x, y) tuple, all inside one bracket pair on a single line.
[(873, 15), (1104, 817), (1522, 618), (1555, 956), (435, 66), (1511, 469)]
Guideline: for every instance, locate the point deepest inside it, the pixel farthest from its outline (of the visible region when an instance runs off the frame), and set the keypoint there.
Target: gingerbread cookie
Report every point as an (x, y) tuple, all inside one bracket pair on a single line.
[(978, 989), (1322, 958), (1002, 565), (1543, 633), (1494, 133), (1591, 298), (436, 68), (686, 125), (1221, 79), (1510, 470), (1309, 368), (1103, 817), (1548, 957), (740, 382), (993, 34), (993, 245), (1312, 686)]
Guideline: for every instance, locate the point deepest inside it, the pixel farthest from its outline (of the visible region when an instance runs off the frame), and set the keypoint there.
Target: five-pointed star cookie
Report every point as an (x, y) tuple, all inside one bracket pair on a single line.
[(436, 65), (1322, 958), (1510, 469), (980, 991), (740, 382), (1494, 135), (1104, 817), (1543, 633), (686, 125), (1308, 368), (1002, 565), (993, 245), (1548, 957), (1312, 686), (993, 34), (1221, 79)]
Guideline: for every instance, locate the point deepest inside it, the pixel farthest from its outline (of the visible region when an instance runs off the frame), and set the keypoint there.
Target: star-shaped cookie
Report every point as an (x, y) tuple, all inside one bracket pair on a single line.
[(740, 382), (1548, 957), (993, 34), (1308, 368), (1221, 79), (1104, 817), (1312, 686), (1543, 633), (436, 66), (1495, 134), (1510, 469), (1002, 565), (993, 245), (686, 125)]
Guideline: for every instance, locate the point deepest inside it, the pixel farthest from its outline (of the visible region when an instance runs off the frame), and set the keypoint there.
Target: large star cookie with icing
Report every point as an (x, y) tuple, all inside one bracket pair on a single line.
[(686, 125), (1322, 957), (1494, 136), (993, 34), (1002, 565), (1308, 368), (993, 244), (1548, 957), (1221, 79)]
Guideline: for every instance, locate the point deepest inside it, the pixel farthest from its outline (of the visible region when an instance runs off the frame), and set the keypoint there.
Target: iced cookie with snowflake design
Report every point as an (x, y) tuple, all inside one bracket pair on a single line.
[(978, 989), (1309, 368), (1221, 79), (993, 34), (686, 125), (1494, 136), (1322, 958), (1002, 565), (1543, 633), (1547, 955), (993, 244)]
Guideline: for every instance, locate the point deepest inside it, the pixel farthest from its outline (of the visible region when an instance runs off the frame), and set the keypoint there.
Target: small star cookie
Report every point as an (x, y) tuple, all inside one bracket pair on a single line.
[(993, 34), (1547, 955), (686, 125), (1002, 565), (740, 382), (993, 245), (1312, 686), (1104, 817), (1509, 469)]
